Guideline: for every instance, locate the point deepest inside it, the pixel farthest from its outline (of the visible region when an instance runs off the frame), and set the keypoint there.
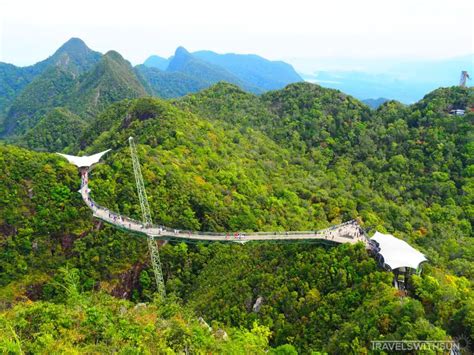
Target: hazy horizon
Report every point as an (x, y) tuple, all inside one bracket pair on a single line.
[(301, 34), (300, 64)]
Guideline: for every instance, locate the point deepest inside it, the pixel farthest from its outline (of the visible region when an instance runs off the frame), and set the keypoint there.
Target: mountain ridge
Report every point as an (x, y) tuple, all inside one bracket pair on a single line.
[(72, 57), (269, 75), (155, 61), (185, 62), (251, 72), (212, 161), (72, 68), (110, 79)]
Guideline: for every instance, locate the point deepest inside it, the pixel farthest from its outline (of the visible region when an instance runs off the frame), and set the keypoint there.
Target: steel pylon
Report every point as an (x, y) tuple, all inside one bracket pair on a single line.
[(146, 216), (464, 77)]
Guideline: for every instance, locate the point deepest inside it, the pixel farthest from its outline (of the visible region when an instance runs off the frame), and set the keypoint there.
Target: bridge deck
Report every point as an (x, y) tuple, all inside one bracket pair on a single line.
[(349, 232)]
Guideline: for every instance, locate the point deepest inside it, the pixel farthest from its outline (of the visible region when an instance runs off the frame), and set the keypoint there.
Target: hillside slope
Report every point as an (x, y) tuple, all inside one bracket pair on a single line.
[(166, 84), (73, 54), (110, 79), (48, 90), (186, 73), (258, 71), (299, 113), (210, 162), (56, 130), (157, 62), (412, 158)]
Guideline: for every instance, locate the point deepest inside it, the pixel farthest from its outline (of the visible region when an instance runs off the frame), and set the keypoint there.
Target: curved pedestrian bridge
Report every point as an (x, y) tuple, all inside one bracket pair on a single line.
[(348, 232)]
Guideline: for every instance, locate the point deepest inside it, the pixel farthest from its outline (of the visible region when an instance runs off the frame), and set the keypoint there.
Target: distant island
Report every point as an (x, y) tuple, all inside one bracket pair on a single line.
[(375, 103)]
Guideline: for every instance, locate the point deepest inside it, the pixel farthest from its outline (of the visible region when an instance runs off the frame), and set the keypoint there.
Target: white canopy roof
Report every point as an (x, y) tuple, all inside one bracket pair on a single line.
[(398, 253), (85, 160)]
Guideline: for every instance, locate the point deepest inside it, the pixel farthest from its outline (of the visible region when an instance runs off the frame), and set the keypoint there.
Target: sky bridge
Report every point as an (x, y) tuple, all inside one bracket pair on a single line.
[(392, 253), (349, 232)]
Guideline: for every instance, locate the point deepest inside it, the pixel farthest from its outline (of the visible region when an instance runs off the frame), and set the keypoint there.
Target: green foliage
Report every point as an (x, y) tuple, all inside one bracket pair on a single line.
[(48, 90), (450, 300), (169, 84), (221, 170), (399, 168), (44, 223), (223, 160), (110, 79), (27, 93), (102, 324), (333, 300), (55, 131), (12, 81), (74, 55)]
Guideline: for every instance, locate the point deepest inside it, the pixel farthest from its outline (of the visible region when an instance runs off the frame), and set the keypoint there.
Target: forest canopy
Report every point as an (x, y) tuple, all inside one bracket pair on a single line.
[(301, 158)]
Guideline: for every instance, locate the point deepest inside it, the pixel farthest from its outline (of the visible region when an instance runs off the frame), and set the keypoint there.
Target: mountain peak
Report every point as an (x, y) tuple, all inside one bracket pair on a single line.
[(73, 45), (111, 79), (74, 56), (114, 55), (180, 59), (181, 51)]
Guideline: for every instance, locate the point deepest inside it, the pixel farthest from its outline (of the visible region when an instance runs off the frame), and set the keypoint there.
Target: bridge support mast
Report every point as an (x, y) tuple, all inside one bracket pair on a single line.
[(146, 216)]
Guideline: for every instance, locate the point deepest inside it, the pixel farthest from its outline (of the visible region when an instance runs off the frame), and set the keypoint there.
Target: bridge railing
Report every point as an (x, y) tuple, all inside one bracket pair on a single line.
[(321, 231), (109, 213), (130, 223)]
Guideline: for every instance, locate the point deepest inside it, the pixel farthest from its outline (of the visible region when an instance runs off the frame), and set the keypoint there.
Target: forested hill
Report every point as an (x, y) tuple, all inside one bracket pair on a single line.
[(186, 73), (251, 72), (269, 75), (110, 79), (73, 54), (84, 82), (301, 158)]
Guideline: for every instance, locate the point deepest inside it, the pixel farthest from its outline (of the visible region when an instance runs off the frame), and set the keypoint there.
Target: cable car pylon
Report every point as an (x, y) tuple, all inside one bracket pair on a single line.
[(146, 218)]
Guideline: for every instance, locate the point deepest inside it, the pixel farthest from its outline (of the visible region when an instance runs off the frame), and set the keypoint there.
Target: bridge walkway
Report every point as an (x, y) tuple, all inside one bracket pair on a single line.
[(348, 232)]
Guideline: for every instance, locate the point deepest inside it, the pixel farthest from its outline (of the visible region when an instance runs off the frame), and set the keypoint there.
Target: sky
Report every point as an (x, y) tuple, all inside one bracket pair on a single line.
[(305, 33)]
